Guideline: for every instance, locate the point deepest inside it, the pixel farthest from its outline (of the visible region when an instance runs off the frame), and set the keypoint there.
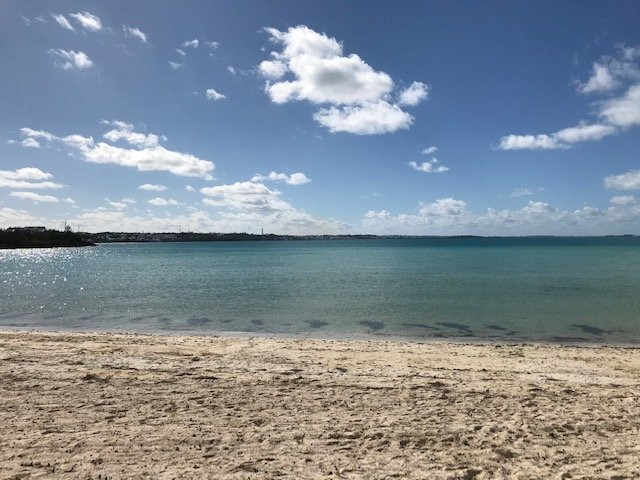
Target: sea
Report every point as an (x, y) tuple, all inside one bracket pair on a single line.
[(534, 289)]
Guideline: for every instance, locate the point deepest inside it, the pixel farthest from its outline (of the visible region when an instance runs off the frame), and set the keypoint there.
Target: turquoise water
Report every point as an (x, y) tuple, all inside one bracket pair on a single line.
[(521, 289)]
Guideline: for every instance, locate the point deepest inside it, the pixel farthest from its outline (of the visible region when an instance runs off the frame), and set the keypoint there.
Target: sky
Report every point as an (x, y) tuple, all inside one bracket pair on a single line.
[(299, 117)]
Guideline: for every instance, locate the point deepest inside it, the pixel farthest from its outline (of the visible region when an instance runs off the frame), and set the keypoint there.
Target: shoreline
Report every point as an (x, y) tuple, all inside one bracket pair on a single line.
[(79, 405), (324, 336)]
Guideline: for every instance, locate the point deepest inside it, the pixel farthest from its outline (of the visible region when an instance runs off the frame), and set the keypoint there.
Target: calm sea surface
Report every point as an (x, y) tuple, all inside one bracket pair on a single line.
[(521, 289)]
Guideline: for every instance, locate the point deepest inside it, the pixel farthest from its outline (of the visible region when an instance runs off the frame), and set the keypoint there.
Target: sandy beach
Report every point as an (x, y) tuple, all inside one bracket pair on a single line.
[(105, 405)]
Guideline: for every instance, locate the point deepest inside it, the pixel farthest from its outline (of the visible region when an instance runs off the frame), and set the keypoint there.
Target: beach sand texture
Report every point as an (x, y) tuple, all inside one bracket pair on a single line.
[(140, 406)]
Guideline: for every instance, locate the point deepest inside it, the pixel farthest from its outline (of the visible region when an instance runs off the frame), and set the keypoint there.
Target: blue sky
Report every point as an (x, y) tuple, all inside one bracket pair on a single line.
[(506, 118)]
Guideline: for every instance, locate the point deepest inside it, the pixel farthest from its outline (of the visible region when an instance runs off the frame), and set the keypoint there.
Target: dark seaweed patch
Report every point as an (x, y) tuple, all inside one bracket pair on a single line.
[(420, 325), (496, 327), (372, 325), (257, 322), (317, 323), (591, 329), (199, 321), (455, 326)]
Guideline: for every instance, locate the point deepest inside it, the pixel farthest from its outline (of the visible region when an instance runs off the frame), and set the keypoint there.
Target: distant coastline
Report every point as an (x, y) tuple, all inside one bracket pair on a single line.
[(40, 237)]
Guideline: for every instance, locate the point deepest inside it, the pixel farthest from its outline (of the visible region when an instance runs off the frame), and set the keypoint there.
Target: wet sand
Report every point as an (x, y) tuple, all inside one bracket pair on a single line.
[(144, 406)]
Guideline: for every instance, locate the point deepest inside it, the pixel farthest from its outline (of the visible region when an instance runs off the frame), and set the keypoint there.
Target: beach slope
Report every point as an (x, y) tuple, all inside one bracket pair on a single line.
[(135, 406)]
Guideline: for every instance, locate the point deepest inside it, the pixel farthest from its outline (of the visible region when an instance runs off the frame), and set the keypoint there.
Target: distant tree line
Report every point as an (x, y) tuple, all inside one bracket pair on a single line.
[(39, 237)]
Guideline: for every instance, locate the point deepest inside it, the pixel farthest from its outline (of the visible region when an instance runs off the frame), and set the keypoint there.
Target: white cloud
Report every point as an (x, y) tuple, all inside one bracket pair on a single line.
[(612, 71), (443, 207), (298, 178), (429, 150), (616, 114), (449, 216), (62, 21), (191, 43), (135, 32), (30, 143), (213, 95), (601, 80), (153, 188), (27, 178), (189, 188), (118, 205), (10, 217), (623, 111), (163, 202), (181, 52), (124, 131), (358, 97), (429, 166), (145, 158), (175, 65), (625, 181), (623, 200), (521, 192), (35, 197), (414, 94), (70, 59), (561, 139), (212, 45), (244, 196), (87, 21), (231, 70), (583, 133), (529, 142), (252, 206), (365, 119)]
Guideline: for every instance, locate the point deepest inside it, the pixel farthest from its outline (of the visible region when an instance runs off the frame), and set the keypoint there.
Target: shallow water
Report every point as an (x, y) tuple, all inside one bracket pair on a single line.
[(540, 289)]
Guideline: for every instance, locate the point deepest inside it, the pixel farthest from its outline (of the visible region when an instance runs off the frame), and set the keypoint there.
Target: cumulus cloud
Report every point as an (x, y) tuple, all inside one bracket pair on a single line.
[(366, 119), (625, 181), (450, 216), (148, 156), (191, 43), (623, 200), (70, 59), (429, 150), (612, 71), (175, 65), (356, 97), (62, 21), (253, 203), (429, 166), (163, 202), (212, 45), (298, 178), (35, 197), (213, 95), (27, 178), (30, 143), (561, 139), (87, 21), (124, 131), (521, 192), (616, 114), (601, 80), (135, 32), (10, 217), (231, 70), (153, 188), (623, 111), (414, 94)]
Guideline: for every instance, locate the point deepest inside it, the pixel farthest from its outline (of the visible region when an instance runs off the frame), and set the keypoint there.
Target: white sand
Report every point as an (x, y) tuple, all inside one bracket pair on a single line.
[(133, 406)]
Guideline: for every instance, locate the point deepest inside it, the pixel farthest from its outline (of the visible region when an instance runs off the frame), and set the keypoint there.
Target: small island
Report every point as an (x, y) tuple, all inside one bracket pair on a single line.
[(41, 237)]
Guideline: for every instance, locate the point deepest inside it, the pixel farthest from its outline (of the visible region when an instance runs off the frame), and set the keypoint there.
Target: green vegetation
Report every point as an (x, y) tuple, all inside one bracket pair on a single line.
[(39, 237)]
